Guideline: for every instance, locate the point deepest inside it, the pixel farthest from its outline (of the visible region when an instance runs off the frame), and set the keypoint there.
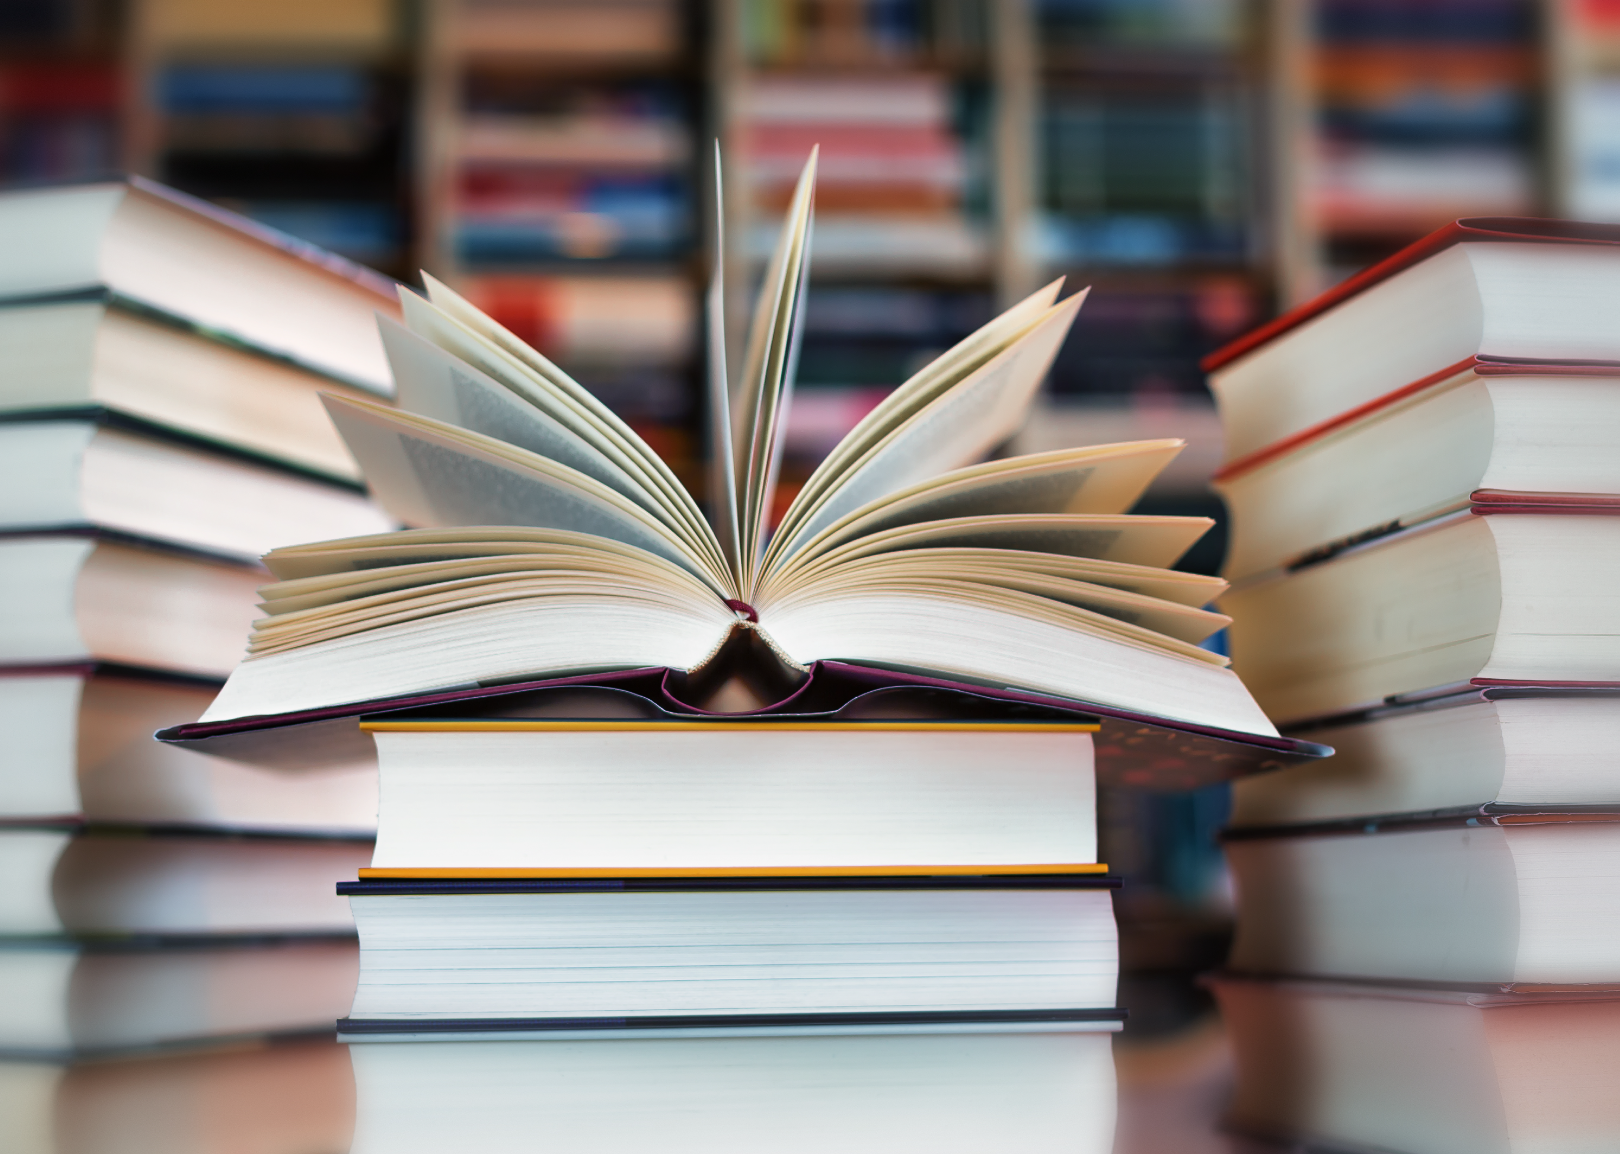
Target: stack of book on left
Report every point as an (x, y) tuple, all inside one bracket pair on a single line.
[(1425, 567), (159, 429)]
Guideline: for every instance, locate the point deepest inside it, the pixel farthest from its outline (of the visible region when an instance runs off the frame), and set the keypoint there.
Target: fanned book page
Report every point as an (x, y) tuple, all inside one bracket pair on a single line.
[(549, 539)]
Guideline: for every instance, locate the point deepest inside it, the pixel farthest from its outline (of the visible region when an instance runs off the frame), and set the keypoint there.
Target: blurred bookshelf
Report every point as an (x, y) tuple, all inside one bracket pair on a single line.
[(1147, 171), (558, 191), (61, 90), (295, 114), (1393, 119), (1583, 108), (900, 96)]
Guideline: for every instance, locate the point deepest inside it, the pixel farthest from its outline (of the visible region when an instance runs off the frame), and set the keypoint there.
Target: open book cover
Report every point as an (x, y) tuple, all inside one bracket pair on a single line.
[(552, 542)]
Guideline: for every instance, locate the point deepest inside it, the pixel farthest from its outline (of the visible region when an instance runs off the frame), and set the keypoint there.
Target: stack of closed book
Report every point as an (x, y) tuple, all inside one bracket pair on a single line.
[(1424, 554), (899, 918), (159, 429), (844, 915)]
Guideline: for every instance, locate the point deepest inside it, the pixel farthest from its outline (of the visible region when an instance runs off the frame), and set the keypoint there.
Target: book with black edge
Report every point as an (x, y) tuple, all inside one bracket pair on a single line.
[(81, 751), (1507, 899), (278, 1092), (1482, 291), (667, 956), (71, 880), (562, 545), (90, 352), (1506, 593), (955, 1092), (100, 472), (83, 595), (1485, 751)]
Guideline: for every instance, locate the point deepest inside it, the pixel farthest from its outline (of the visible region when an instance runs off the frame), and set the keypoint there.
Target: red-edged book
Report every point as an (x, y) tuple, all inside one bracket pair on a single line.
[(1487, 290)]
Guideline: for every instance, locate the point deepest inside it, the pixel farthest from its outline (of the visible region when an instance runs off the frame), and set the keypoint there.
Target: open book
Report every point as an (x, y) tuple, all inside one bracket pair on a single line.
[(553, 539)]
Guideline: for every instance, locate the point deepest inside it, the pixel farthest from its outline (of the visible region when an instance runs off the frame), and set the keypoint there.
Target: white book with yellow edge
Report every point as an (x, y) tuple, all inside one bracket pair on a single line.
[(541, 797), (551, 540)]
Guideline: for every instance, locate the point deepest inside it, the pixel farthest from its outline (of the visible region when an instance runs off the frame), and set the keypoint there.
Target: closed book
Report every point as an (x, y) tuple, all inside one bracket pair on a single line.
[(1495, 288), (101, 353), (1481, 751), (1421, 452), (1341, 1068), (125, 477), (1038, 1093), (1510, 594), (66, 1000), (186, 259), (290, 1095), (81, 596), (1506, 899), (515, 797), (80, 750), (179, 885), (646, 956)]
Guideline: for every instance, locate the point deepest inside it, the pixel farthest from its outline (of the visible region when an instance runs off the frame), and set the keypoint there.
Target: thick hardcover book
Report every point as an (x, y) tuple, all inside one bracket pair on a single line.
[(1499, 899), (1480, 751), (1496, 292), (565, 955), (521, 797), (1517, 591), (80, 750), (1510, 229), (1357, 1068), (1497, 437), (181, 257)]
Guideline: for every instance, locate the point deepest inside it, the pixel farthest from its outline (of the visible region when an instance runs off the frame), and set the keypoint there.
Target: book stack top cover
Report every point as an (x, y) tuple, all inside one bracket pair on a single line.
[(552, 547), (1422, 487)]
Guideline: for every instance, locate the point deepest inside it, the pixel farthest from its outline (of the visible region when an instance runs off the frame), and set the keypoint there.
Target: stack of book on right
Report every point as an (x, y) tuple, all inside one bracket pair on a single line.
[(1425, 559)]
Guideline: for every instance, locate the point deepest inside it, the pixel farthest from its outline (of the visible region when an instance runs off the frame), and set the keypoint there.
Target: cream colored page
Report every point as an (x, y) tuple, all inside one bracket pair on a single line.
[(722, 452), (460, 310), (1096, 479), (1164, 617), (1153, 541), (345, 553), (923, 386), (565, 400), (425, 472), (767, 371), (1190, 589), (433, 383), (1043, 646), (286, 599), (506, 640), (956, 429), (298, 631)]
